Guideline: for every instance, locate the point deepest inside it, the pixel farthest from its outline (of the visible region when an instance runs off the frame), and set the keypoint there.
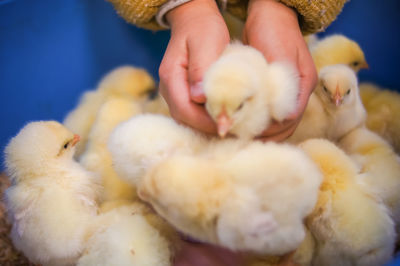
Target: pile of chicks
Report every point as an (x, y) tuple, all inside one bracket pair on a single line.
[(120, 180)]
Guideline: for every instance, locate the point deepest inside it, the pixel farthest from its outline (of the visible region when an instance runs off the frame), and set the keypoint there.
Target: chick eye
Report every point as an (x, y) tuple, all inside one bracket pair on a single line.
[(325, 89), (355, 63), (66, 145), (240, 106), (348, 92)]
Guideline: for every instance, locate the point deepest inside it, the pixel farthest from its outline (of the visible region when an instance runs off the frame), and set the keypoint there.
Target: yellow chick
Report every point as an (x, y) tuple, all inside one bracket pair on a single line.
[(383, 108), (349, 223), (338, 49), (130, 234), (97, 157), (126, 81), (207, 194), (144, 140), (335, 107), (380, 162), (241, 84), (52, 199)]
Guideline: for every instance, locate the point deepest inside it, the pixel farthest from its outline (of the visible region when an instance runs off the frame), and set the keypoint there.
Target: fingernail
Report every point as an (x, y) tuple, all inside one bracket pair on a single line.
[(197, 93)]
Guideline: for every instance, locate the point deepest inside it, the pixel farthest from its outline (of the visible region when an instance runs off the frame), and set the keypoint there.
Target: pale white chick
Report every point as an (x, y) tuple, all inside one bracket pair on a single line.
[(244, 93), (349, 223), (130, 234), (383, 108), (97, 157), (378, 159), (204, 187), (334, 108), (338, 49), (52, 199), (144, 140), (125, 81)]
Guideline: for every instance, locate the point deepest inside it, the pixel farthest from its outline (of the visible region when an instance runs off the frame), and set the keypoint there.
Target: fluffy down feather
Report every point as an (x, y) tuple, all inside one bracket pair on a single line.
[(97, 157), (241, 84), (145, 140), (338, 49), (379, 162), (383, 109), (52, 198), (125, 81), (126, 235), (350, 224), (206, 193), (334, 108)]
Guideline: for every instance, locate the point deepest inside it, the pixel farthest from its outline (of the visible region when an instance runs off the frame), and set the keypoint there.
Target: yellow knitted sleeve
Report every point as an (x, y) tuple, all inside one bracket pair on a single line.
[(314, 15), (139, 12)]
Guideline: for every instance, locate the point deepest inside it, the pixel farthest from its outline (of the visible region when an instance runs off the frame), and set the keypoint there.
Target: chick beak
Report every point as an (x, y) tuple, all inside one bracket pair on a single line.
[(364, 65), (75, 140), (224, 123), (337, 98)]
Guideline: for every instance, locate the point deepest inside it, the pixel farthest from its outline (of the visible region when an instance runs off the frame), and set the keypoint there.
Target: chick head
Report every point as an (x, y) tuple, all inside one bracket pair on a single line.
[(36, 147), (230, 89), (337, 85), (129, 82), (338, 49)]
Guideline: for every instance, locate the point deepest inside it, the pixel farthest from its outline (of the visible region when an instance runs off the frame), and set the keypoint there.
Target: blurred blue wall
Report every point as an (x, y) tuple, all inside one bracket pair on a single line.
[(52, 50)]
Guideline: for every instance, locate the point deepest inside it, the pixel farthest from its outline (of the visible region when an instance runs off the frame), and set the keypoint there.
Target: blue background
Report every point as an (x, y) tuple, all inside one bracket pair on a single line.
[(53, 50)]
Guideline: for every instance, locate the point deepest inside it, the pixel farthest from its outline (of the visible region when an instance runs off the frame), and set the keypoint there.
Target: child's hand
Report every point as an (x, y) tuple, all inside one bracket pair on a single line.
[(273, 28), (198, 36)]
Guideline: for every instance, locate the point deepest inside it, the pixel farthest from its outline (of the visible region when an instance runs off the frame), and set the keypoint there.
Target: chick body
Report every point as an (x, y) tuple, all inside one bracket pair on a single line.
[(125, 81), (129, 234), (349, 223), (379, 162), (97, 157), (204, 187), (383, 107), (334, 108), (244, 93), (338, 49), (52, 198)]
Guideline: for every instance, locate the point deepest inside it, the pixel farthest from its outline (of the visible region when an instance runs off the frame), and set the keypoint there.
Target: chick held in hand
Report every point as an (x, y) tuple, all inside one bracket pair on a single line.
[(244, 93), (338, 49), (334, 108), (52, 198)]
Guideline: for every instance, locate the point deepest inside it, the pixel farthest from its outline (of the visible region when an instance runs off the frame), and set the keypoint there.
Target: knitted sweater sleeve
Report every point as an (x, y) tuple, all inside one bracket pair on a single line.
[(314, 15), (139, 12)]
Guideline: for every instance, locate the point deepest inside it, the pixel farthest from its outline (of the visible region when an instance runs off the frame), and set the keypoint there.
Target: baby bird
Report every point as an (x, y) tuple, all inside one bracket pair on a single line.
[(383, 108), (144, 140), (349, 223), (222, 185), (382, 164), (52, 199), (126, 81), (97, 158), (338, 49), (334, 108), (130, 234), (244, 93), (204, 187)]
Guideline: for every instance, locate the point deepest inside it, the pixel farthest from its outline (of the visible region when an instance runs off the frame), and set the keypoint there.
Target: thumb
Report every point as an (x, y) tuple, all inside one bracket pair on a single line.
[(201, 55)]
